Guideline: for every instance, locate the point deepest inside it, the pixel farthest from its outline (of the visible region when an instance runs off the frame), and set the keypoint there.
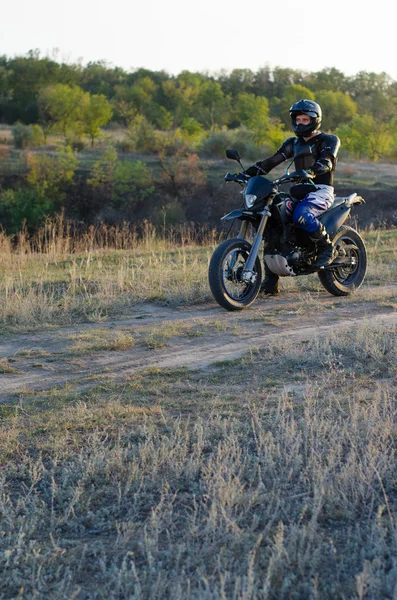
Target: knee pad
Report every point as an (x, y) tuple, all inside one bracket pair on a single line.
[(305, 219)]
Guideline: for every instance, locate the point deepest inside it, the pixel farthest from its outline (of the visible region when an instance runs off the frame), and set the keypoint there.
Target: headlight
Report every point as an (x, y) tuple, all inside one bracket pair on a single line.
[(249, 200)]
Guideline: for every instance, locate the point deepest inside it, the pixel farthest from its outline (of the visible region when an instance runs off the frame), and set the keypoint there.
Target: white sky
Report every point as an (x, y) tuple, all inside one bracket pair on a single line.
[(173, 35)]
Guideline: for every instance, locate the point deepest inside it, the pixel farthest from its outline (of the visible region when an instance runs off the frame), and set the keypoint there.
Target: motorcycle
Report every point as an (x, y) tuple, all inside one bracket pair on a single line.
[(235, 270)]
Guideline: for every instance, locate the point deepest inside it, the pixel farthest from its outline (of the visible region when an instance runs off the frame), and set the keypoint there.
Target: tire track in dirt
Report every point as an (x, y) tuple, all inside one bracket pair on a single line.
[(193, 353)]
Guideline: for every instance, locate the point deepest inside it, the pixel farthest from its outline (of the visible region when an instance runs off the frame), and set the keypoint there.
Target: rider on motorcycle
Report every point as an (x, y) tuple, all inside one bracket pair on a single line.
[(319, 162)]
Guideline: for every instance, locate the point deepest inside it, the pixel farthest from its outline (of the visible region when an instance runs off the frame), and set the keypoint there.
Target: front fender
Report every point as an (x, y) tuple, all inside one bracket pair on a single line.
[(244, 215)]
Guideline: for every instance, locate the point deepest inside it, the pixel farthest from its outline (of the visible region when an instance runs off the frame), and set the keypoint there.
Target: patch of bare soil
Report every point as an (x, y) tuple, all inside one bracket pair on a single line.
[(49, 359)]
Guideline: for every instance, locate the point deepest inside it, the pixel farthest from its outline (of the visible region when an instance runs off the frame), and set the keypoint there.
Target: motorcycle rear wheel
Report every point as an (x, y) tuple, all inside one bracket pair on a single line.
[(224, 275), (345, 280)]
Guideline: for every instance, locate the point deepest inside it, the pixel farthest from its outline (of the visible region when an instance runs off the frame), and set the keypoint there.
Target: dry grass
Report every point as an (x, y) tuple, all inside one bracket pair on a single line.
[(271, 477), (61, 276), (6, 367), (160, 334), (217, 484), (97, 340)]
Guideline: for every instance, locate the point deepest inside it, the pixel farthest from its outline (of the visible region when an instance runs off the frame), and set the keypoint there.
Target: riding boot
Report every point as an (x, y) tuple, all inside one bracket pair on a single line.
[(271, 284), (325, 247)]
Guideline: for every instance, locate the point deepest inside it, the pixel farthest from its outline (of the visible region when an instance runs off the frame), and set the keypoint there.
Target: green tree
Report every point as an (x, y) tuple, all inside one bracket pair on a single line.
[(181, 95), (101, 175), (283, 78), (192, 132), (27, 75), (237, 82), (372, 93), (252, 111), (97, 113), (330, 79), (180, 168), (132, 184), (27, 135), (49, 175), (24, 206), (64, 106), (138, 98), (44, 194), (141, 134), (338, 108), (213, 107), (100, 78), (164, 119), (365, 136), (47, 114), (291, 94)]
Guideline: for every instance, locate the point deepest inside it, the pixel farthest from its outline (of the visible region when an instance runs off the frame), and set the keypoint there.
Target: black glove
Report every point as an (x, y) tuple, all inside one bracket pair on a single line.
[(301, 174), (236, 177), (256, 169)]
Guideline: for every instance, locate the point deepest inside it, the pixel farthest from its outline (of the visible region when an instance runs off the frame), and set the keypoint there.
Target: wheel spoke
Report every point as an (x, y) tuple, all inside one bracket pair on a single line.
[(233, 267), (347, 272)]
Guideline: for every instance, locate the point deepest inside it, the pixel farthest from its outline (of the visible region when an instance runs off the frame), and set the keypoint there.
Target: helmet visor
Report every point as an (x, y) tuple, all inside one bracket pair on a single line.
[(295, 113)]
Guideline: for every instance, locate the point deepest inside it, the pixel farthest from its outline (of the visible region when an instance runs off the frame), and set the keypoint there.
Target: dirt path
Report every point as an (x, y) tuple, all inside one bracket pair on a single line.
[(193, 337)]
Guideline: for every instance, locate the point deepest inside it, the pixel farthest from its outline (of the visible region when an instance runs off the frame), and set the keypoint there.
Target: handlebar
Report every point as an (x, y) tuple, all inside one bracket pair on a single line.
[(295, 176), (237, 177)]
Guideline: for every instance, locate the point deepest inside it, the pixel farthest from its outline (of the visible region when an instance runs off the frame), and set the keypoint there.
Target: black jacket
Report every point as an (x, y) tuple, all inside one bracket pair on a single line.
[(320, 160)]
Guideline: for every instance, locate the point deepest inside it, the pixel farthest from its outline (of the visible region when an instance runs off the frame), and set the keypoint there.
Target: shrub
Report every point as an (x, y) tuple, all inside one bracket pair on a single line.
[(241, 139), (77, 145), (192, 133), (172, 213), (37, 137), (49, 174), (126, 145), (26, 136), (132, 183), (101, 175), (24, 205), (142, 134), (22, 135)]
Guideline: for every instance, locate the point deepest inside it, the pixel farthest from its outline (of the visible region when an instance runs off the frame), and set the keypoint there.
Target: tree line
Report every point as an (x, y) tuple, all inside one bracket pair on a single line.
[(75, 100)]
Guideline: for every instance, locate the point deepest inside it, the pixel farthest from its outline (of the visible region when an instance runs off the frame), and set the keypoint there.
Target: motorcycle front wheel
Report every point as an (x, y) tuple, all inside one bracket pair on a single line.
[(346, 279), (224, 275)]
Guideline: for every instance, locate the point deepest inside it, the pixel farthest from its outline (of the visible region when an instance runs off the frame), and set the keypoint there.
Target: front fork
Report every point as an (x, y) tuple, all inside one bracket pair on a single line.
[(248, 274), (243, 230)]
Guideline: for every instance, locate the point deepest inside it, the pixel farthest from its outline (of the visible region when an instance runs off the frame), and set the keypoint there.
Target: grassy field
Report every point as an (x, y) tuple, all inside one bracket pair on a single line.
[(268, 477), (56, 279)]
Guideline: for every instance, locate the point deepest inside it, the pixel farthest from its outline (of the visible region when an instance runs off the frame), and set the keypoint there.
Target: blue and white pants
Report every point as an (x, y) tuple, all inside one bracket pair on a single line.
[(312, 206)]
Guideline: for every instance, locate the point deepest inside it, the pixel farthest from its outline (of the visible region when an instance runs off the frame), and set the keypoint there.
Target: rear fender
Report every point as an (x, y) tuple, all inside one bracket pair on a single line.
[(334, 218)]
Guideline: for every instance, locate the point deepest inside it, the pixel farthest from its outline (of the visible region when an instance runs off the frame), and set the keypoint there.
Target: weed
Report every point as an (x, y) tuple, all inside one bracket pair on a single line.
[(97, 340), (6, 367)]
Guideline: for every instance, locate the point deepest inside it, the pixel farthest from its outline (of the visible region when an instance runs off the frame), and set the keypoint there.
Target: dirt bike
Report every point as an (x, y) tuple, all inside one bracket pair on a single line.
[(235, 270)]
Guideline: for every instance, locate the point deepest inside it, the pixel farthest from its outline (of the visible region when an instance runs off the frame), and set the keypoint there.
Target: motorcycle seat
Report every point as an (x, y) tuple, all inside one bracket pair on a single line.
[(348, 200), (338, 201)]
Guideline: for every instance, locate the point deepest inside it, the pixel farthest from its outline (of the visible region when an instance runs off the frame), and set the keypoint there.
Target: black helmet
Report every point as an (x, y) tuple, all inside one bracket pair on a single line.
[(305, 107)]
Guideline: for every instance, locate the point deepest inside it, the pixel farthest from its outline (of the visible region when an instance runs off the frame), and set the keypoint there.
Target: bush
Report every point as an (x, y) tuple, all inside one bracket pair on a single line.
[(132, 183), (24, 205), (170, 214), (37, 137), (27, 136), (126, 145), (241, 139), (22, 136), (77, 145), (50, 174), (192, 133), (142, 134)]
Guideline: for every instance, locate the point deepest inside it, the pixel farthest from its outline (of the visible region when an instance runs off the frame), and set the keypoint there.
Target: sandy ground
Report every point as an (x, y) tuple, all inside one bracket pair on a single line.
[(49, 359)]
